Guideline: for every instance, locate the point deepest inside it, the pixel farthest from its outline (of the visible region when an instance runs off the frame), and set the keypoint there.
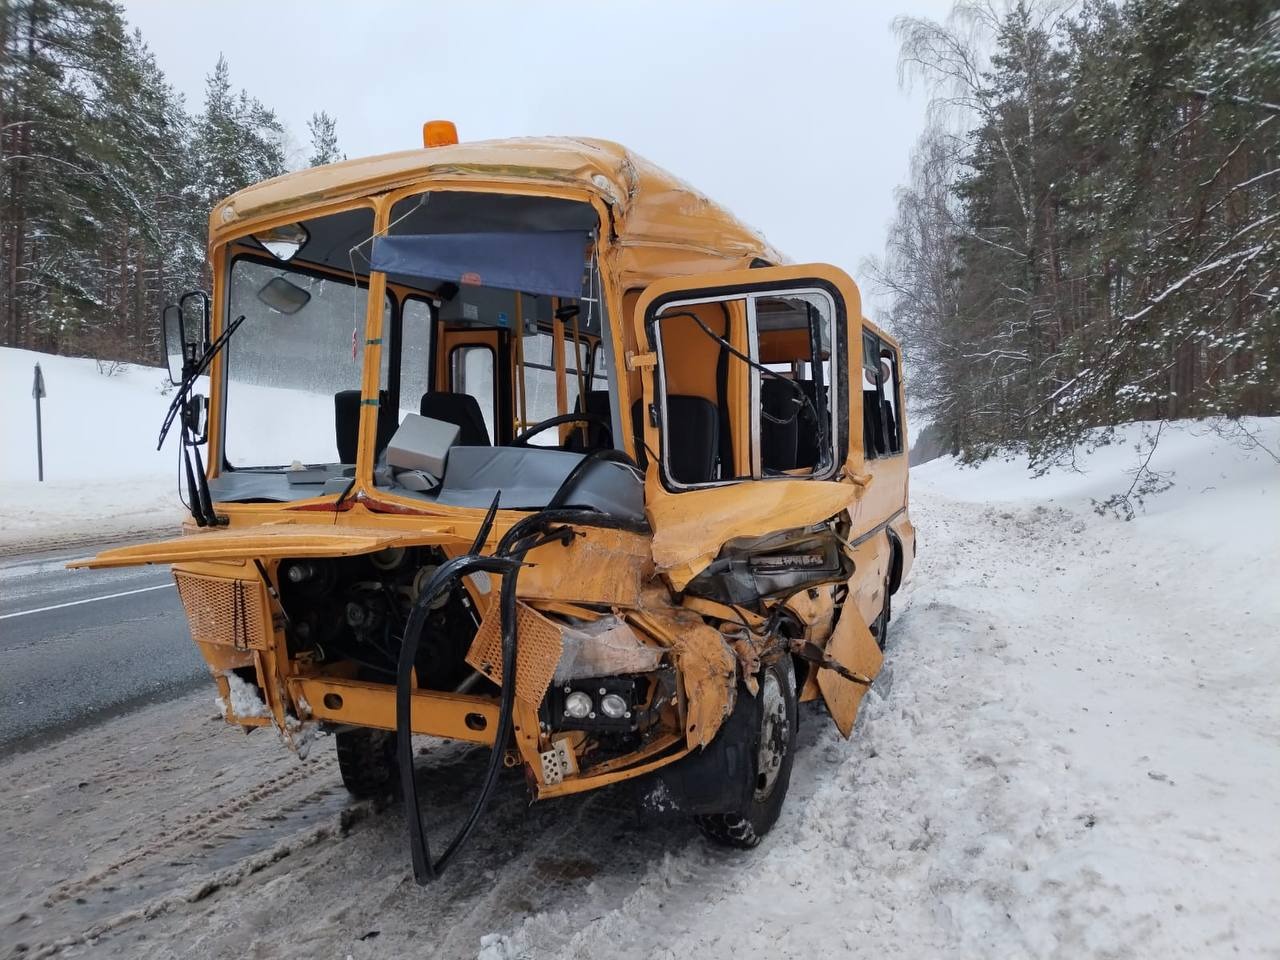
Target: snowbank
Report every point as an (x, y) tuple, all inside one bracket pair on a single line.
[(1072, 752), (103, 475), (1201, 457), (1223, 494)]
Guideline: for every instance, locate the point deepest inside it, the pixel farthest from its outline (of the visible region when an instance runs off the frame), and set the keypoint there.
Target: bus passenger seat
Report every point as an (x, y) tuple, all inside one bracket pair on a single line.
[(598, 437), (807, 447), (346, 422), (874, 439), (693, 437), (460, 409), (891, 427), (778, 441)]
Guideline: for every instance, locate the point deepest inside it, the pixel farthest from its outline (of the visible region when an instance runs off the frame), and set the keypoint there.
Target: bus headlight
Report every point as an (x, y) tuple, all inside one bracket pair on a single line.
[(596, 703), (613, 706), (577, 705)]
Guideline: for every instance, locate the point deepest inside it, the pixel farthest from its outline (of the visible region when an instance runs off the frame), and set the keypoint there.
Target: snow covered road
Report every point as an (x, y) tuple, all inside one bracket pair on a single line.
[(1074, 752)]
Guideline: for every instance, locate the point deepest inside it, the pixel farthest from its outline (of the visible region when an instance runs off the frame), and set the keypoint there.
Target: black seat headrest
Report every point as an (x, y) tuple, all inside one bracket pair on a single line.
[(346, 422), (460, 409), (693, 438), (874, 439), (807, 452)]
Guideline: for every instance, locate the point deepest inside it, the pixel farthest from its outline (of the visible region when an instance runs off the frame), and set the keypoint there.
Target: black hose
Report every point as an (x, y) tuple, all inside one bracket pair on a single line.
[(586, 518), (801, 398), (506, 561), (424, 870), (506, 711)]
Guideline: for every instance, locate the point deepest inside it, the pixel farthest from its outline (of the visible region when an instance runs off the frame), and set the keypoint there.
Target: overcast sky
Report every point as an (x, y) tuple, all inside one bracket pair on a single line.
[(789, 114)]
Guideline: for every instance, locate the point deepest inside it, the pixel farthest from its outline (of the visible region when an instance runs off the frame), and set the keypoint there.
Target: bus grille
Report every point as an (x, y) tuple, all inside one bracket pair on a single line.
[(223, 611), (537, 653)]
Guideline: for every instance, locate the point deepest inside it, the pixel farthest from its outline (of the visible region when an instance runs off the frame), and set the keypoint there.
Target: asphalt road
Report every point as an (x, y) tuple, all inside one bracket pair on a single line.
[(78, 646)]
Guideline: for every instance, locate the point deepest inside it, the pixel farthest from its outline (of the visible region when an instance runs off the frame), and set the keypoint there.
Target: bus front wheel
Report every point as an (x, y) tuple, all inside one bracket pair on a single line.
[(772, 752)]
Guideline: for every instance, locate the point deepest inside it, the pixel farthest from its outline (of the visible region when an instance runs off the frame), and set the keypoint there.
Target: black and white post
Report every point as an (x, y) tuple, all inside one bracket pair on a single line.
[(37, 391)]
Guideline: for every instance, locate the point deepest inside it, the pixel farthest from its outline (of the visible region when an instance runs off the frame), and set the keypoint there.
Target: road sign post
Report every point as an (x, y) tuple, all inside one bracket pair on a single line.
[(37, 391)]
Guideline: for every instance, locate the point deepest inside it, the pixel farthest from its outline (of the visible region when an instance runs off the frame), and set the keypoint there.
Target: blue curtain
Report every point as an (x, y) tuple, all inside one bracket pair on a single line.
[(550, 263)]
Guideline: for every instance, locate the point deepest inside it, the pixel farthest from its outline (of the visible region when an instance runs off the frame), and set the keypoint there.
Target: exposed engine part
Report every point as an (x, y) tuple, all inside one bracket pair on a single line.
[(506, 561), (388, 559), (422, 578), (309, 577), (355, 609)]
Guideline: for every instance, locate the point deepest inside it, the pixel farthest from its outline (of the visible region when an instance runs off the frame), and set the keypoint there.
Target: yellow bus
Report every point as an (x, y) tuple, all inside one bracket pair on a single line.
[(527, 443)]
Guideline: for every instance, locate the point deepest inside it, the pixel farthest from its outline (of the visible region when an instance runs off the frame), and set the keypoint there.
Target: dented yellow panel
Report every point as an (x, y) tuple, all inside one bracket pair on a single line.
[(691, 527), (597, 566), (854, 648)]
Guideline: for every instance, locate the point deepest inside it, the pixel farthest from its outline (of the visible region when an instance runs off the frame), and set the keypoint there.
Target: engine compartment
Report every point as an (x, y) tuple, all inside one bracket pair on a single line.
[(353, 610)]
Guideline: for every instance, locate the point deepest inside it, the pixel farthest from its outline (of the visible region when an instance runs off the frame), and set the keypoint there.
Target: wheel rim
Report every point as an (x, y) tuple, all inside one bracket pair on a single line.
[(775, 735)]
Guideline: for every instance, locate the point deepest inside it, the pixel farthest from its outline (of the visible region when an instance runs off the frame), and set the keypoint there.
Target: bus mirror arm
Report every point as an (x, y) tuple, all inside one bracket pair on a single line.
[(195, 371)]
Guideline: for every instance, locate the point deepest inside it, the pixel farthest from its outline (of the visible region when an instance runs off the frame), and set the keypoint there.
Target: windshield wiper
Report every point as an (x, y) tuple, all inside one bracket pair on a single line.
[(201, 501)]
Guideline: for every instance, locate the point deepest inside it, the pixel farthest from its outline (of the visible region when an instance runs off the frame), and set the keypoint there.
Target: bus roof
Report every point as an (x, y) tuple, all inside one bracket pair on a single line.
[(662, 226)]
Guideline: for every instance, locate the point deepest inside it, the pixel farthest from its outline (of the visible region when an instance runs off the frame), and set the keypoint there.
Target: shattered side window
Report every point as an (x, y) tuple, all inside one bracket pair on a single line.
[(881, 410), (745, 388)]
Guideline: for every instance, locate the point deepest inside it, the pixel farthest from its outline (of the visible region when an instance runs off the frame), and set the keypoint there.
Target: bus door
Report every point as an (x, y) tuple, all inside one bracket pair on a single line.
[(478, 361)]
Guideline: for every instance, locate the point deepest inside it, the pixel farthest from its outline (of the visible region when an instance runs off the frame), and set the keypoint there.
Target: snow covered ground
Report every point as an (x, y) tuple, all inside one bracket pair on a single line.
[(103, 475), (1074, 751)]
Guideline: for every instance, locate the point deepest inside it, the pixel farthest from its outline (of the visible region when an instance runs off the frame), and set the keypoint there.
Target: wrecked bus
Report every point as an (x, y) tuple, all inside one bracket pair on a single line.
[(528, 444)]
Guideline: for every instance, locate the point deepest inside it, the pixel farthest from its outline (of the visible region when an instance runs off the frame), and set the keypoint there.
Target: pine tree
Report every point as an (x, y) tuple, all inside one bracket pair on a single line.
[(238, 140), (324, 140), (47, 187), (105, 182)]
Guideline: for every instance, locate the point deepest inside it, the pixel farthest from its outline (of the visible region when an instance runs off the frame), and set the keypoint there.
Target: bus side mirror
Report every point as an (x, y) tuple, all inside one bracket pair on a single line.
[(186, 333), (171, 334)]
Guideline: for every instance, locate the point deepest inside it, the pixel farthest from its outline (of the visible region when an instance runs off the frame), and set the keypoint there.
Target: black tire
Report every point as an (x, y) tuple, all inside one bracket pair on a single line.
[(367, 761), (773, 739)]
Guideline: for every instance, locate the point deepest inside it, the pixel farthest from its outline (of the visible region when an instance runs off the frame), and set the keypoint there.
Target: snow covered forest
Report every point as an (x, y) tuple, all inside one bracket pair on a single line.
[(1091, 230), (107, 179)]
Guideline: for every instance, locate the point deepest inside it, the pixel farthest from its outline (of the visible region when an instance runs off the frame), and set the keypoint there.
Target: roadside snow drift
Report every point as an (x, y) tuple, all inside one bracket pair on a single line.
[(103, 475), (1074, 751)]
